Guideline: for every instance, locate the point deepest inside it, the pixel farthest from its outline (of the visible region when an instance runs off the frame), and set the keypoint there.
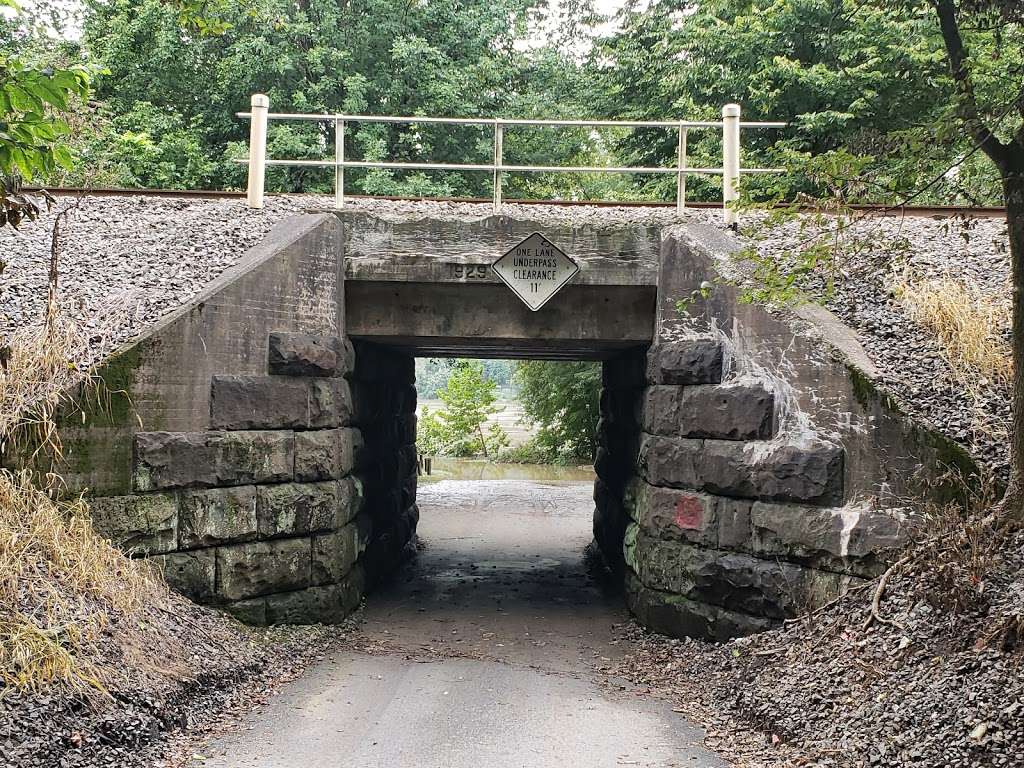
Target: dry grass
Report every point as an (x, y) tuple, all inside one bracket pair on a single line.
[(972, 327), (965, 561), (60, 584), (40, 365)]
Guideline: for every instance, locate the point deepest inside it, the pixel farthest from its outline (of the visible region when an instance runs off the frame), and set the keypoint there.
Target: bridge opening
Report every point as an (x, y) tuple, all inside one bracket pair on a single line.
[(481, 555)]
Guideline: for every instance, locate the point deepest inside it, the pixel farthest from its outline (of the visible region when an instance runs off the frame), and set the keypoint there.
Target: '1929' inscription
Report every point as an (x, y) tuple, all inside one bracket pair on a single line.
[(467, 271)]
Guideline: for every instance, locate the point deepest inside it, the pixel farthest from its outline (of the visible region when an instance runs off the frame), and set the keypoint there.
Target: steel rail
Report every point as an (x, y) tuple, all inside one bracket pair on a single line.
[(919, 211)]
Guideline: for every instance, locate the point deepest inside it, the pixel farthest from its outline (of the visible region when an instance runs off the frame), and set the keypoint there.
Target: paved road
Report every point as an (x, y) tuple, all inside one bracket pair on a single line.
[(482, 654)]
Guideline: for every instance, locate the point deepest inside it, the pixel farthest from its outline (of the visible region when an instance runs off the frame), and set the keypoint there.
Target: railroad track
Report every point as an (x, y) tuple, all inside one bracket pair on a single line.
[(928, 211)]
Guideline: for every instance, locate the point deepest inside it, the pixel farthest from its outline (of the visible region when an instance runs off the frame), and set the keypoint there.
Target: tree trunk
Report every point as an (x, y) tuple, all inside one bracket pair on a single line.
[(1012, 506), (483, 440)]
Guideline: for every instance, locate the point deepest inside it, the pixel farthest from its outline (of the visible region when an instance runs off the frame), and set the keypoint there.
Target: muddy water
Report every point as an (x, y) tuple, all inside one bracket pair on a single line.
[(480, 469), (483, 652)]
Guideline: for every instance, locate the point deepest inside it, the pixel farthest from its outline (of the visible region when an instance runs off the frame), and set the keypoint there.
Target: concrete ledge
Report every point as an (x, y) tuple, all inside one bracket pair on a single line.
[(592, 322), (854, 539)]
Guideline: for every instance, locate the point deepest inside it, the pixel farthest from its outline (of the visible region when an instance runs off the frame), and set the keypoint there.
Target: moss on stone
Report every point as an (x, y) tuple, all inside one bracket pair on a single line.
[(867, 392), (957, 471), (100, 460), (110, 403)]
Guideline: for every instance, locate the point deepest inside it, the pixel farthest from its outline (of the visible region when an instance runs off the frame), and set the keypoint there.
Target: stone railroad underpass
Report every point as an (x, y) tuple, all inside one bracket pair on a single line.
[(259, 442)]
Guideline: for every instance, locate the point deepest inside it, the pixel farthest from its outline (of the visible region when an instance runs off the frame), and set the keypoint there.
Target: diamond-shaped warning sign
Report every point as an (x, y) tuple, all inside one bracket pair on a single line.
[(535, 270)]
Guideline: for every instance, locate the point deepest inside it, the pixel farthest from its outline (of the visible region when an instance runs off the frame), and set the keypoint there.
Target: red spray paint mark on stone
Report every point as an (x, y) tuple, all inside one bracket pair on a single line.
[(689, 513)]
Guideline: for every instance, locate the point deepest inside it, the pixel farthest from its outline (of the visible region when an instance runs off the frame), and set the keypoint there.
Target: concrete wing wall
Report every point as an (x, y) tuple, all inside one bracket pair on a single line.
[(292, 281), (825, 386), (770, 467), (221, 441)]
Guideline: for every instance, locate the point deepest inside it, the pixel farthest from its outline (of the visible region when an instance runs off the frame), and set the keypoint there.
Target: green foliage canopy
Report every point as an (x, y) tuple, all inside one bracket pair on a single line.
[(866, 78), (562, 399), (367, 56), (34, 99)]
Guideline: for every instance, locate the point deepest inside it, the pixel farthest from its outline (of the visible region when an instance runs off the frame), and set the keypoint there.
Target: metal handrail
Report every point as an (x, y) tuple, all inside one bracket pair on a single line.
[(329, 117), (730, 125)]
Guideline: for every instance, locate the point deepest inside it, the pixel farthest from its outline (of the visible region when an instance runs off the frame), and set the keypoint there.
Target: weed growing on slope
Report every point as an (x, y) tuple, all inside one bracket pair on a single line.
[(59, 584), (973, 328)]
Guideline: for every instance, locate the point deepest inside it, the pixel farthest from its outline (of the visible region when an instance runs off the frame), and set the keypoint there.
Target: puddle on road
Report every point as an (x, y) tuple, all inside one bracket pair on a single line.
[(480, 469)]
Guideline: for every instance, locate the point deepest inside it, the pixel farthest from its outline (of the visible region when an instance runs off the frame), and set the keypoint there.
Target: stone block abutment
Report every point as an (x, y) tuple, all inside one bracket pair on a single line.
[(259, 442)]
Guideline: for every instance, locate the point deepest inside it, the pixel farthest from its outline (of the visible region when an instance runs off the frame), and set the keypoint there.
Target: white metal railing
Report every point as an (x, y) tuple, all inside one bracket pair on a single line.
[(730, 125)]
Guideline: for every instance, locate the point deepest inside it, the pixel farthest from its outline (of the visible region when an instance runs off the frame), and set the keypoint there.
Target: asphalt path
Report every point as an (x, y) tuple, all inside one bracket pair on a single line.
[(485, 652)]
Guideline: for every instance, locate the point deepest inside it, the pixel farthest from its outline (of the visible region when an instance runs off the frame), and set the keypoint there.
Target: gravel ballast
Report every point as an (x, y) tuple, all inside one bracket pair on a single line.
[(879, 253), (126, 261)]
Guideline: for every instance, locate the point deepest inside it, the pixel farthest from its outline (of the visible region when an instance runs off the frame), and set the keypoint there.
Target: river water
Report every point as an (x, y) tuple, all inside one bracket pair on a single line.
[(445, 468)]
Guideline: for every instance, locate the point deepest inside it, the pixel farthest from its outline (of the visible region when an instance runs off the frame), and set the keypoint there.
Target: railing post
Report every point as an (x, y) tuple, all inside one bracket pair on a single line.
[(681, 171), (730, 160), (259, 105), (499, 136), (339, 159)]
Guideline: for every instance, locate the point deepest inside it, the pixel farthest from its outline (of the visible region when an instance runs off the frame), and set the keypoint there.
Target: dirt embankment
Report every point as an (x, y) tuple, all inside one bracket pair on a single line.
[(934, 680), (99, 661)]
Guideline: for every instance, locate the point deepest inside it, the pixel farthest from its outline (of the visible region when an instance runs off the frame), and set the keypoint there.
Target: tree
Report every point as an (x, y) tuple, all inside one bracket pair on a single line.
[(458, 429), (862, 78), (563, 400), (368, 57), (34, 99), (984, 114)]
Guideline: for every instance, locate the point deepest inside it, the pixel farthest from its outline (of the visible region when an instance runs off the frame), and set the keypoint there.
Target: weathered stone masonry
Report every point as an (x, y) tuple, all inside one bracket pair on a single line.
[(748, 467), (385, 412), (732, 498), (261, 513), (724, 528)]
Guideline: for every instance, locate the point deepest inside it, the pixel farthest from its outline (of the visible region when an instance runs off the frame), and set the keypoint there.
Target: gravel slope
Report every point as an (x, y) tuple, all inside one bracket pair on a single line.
[(126, 261), (211, 670), (911, 360)]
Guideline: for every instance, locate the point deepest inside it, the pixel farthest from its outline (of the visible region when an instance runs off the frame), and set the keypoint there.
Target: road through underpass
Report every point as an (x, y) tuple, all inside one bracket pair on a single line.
[(484, 652)]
